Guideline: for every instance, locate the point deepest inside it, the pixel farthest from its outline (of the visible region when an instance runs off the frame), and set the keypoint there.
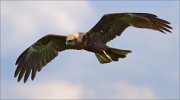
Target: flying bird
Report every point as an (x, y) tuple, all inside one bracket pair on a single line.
[(34, 58)]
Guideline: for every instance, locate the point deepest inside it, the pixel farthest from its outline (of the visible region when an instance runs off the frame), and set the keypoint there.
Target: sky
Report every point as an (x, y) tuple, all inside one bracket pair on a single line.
[(151, 71)]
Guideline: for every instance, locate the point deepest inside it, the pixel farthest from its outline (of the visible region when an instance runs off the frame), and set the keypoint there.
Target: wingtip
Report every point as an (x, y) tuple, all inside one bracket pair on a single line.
[(32, 78), (33, 75), (16, 62), (15, 75), (19, 79), (170, 31), (25, 80)]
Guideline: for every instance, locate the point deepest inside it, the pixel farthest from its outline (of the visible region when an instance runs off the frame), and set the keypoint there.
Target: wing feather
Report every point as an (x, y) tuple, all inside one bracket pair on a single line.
[(112, 25), (35, 57)]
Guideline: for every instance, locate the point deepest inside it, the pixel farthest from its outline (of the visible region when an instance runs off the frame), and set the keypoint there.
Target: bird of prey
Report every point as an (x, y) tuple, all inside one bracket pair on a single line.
[(34, 58)]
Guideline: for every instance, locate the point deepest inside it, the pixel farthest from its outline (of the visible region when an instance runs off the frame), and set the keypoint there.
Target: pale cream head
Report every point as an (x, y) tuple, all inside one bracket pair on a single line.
[(74, 38)]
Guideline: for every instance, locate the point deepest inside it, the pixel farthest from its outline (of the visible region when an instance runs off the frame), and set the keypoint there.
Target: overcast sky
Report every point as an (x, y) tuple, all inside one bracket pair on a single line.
[(151, 71)]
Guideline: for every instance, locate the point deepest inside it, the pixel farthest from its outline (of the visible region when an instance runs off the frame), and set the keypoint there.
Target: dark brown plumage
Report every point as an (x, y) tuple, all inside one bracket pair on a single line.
[(35, 57)]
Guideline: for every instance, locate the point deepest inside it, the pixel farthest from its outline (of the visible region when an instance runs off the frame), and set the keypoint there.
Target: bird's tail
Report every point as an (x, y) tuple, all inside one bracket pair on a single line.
[(112, 54)]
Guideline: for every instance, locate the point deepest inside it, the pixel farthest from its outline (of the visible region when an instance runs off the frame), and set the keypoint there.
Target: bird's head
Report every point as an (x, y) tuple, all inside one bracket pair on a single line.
[(74, 38)]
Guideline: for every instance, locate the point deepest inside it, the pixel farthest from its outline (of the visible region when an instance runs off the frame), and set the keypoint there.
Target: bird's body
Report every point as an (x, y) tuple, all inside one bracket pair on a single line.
[(35, 57), (96, 46)]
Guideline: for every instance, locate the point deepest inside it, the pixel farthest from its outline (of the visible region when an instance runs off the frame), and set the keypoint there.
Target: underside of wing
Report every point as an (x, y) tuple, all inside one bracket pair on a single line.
[(38, 55), (112, 25), (149, 21)]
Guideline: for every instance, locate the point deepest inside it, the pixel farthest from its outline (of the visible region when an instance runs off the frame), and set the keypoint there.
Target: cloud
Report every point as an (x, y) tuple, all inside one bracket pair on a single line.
[(44, 90), (22, 23), (130, 91), (124, 90), (63, 89), (25, 22)]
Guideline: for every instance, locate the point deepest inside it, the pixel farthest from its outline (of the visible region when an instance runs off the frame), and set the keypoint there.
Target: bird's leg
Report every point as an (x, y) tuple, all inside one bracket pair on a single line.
[(107, 55)]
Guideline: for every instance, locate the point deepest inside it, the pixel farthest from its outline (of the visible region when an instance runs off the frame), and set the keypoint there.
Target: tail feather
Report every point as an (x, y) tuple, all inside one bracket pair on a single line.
[(113, 53), (102, 59)]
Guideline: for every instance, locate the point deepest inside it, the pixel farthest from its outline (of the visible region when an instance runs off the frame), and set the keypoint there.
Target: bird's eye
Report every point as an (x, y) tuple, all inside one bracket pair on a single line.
[(70, 40)]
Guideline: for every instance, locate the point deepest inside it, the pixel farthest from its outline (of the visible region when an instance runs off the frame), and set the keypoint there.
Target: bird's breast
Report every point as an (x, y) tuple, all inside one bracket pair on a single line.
[(93, 44)]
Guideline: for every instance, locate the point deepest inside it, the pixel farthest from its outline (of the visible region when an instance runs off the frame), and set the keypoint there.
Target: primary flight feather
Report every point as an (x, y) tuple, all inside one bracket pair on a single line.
[(34, 58)]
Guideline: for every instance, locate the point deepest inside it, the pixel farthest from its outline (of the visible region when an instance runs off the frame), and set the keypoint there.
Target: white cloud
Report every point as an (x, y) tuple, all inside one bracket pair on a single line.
[(55, 89), (130, 91), (125, 90), (44, 90), (25, 22)]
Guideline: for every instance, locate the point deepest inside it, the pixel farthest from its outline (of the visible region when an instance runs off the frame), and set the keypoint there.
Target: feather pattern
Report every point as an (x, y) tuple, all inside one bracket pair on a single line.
[(112, 25), (34, 58), (38, 55)]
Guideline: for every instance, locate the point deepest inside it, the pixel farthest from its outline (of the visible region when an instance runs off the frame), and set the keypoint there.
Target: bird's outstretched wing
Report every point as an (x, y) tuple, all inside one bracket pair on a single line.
[(38, 55), (112, 25)]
